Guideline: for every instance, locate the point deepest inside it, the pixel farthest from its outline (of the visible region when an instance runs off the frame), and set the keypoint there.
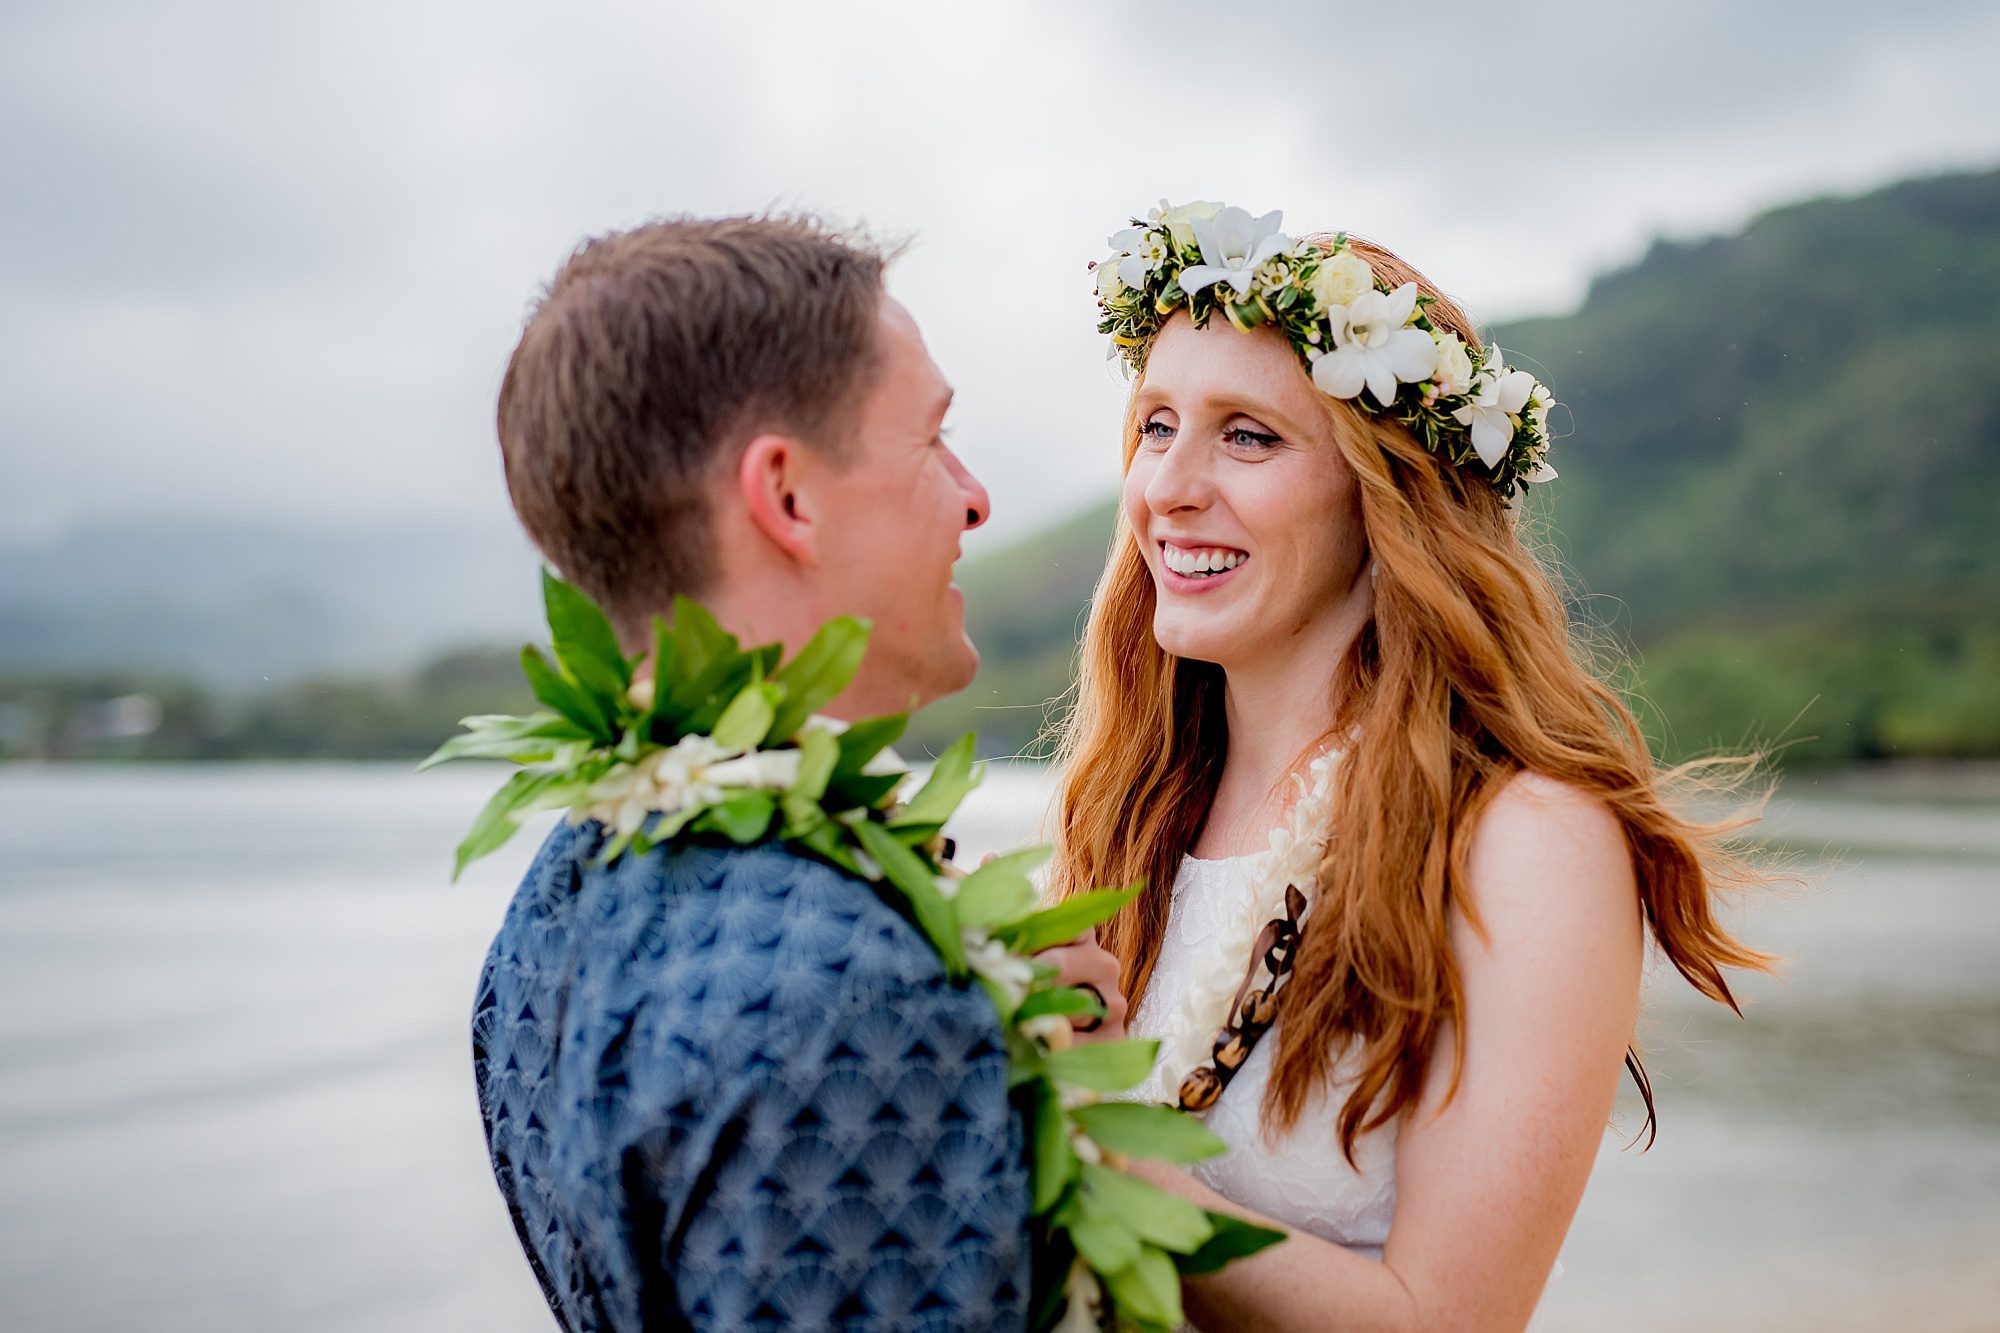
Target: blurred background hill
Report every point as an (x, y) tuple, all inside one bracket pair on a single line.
[(1780, 488), (1780, 492)]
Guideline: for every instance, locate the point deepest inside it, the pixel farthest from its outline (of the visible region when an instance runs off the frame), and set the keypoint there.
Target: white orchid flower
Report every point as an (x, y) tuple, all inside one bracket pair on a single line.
[(1499, 396), (1140, 251), (1539, 404), (989, 958), (1374, 346), (1179, 220), (1054, 1031), (1233, 244), (659, 784), (772, 770)]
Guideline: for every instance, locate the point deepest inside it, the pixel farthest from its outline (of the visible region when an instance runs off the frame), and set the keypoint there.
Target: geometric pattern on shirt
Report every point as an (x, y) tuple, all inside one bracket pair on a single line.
[(731, 1088)]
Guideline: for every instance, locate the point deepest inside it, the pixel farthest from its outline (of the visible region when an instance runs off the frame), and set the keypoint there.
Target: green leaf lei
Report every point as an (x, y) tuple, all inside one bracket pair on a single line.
[(723, 744)]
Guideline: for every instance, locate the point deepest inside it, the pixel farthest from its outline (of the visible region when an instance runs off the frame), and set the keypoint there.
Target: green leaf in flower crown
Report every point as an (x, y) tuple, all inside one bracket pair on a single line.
[(1066, 920), (1164, 1219), (1104, 1066), (1139, 1130), (1148, 1289), (698, 640), (1234, 1239), (1053, 1163), (907, 871), (864, 740), (823, 668), (747, 720), (1000, 892), (744, 818), (1065, 1000), (565, 696), (584, 642), (529, 739), (950, 780)]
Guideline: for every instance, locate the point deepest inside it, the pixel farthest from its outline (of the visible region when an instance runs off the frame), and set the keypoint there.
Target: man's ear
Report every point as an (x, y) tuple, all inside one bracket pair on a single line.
[(774, 477)]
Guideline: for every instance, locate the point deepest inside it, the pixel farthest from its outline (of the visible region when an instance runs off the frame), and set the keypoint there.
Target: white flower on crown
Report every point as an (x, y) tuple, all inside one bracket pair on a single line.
[(1342, 279), (1273, 276), (1179, 221), (1498, 398), (1375, 347), (1110, 286), (1454, 368), (1233, 246), (1538, 409), (1140, 251)]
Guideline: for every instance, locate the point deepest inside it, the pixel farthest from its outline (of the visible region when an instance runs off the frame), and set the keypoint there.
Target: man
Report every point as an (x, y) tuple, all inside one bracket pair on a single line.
[(731, 1088)]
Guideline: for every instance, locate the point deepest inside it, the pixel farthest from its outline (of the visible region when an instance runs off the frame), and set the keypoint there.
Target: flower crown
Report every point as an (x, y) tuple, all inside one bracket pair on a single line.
[(1353, 331)]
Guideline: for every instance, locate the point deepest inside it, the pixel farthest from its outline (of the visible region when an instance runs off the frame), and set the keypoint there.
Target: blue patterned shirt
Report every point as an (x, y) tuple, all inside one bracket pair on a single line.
[(732, 1089)]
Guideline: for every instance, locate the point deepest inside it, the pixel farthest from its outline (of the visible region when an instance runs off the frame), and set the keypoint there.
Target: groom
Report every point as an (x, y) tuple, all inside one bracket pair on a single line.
[(731, 1088)]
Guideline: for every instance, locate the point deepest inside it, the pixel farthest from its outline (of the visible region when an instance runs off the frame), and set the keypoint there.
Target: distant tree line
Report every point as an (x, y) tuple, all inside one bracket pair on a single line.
[(117, 715)]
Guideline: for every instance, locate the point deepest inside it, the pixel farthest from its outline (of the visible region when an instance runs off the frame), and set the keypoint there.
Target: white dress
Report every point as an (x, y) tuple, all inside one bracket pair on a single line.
[(1301, 1179)]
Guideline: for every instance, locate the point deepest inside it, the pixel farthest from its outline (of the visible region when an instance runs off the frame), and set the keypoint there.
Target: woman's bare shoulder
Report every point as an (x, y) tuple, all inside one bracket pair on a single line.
[(1547, 850)]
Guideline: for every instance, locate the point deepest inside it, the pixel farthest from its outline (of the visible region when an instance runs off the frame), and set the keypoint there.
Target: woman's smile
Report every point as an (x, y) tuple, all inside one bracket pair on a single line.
[(1191, 568)]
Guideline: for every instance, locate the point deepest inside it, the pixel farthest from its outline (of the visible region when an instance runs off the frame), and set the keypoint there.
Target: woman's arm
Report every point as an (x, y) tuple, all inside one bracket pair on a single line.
[(1487, 1183)]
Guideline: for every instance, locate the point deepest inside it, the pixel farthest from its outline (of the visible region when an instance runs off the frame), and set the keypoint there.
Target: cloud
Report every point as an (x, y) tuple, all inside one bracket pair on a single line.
[(268, 260)]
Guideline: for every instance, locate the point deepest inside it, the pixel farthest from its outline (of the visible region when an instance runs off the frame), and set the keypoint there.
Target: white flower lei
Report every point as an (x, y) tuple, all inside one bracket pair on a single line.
[(1291, 859)]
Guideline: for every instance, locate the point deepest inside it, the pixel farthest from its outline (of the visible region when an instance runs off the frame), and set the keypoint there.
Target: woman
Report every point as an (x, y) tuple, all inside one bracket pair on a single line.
[(1329, 698)]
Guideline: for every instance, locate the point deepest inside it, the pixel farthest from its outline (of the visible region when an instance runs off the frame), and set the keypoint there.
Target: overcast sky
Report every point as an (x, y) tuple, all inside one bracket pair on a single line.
[(267, 259)]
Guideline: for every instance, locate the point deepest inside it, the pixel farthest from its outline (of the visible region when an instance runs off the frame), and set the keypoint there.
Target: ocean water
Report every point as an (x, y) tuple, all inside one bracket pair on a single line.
[(235, 1084)]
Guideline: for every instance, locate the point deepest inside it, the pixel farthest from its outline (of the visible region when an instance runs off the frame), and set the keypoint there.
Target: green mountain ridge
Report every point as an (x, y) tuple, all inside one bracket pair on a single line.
[(1780, 457)]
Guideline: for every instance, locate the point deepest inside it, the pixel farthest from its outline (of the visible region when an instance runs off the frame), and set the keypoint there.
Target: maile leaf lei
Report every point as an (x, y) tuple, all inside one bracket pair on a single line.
[(725, 744)]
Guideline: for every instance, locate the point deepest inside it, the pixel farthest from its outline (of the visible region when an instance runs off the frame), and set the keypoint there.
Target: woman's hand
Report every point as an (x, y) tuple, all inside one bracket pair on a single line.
[(1086, 965)]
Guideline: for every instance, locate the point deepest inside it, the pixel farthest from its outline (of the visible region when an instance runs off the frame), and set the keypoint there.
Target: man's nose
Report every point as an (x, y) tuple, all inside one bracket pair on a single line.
[(978, 505)]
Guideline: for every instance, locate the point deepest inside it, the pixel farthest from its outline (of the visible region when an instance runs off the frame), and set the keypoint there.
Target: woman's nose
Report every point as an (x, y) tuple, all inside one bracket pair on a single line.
[(1180, 479)]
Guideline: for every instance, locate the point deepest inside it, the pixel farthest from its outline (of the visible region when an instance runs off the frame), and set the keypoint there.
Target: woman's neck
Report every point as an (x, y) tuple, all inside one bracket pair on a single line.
[(1277, 708)]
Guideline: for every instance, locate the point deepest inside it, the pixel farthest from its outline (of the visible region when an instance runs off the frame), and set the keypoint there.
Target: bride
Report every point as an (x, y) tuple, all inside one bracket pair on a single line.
[(1415, 849)]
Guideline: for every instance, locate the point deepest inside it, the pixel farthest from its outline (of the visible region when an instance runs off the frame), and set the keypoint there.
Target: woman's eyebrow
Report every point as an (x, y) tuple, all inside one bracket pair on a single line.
[(1223, 403)]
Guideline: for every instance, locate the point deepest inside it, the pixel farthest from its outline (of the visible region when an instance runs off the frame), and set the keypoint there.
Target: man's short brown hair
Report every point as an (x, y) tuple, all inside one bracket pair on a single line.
[(654, 354)]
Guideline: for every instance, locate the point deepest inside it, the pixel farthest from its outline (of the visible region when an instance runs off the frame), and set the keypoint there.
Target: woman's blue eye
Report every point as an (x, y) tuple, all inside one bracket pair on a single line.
[(1157, 430), (1246, 438)]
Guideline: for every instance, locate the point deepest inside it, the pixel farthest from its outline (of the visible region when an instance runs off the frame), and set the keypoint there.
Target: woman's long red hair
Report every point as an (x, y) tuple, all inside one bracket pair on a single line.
[(1465, 676)]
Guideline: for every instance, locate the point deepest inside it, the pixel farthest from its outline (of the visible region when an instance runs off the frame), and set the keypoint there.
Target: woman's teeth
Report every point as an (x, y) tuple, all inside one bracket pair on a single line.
[(1202, 561)]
